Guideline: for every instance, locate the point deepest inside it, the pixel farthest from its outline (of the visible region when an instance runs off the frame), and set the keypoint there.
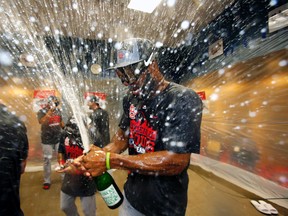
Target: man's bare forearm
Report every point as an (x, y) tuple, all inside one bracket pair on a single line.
[(119, 143), (156, 163)]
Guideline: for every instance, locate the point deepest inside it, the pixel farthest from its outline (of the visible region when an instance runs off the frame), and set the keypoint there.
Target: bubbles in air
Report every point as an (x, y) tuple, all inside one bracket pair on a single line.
[(137, 71), (243, 120), (221, 71), (171, 3), (236, 107), (29, 58), (273, 2), (23, 118), (237, 127), (158, 44), (263, 30), (185, 24), (75, 5), (5, 58), (252, 114), (214, 97), (16, 41), (75, 69), (118, 46), (32, 19), (283, 63)]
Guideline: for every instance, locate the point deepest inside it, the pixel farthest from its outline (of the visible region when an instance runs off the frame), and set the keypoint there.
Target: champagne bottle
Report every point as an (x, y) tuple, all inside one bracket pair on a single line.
[(109, 190)]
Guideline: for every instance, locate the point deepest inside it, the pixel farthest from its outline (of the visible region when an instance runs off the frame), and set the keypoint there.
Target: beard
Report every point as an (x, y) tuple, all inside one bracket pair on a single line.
[(146, 90)]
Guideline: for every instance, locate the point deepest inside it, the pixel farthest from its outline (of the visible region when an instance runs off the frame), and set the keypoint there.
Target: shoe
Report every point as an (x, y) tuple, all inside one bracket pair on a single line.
[(269, 207), (260, 207), (46, 186)]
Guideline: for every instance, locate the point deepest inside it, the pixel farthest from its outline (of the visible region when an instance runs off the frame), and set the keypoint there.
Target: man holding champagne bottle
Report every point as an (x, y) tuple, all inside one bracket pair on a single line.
[(160, 127)]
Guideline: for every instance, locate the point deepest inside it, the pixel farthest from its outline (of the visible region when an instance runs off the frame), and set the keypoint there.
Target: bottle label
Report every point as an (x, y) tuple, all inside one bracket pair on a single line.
[(110, 196)]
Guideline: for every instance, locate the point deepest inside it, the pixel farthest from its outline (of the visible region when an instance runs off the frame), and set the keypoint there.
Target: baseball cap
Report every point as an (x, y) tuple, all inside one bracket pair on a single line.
[(132, 51), (71, 127), (93, 99), (53, 99)]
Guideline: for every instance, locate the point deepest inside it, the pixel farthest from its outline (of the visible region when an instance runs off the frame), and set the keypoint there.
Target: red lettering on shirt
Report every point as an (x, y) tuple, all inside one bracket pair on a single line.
[(73, 151), (142, 136), (54, 120)]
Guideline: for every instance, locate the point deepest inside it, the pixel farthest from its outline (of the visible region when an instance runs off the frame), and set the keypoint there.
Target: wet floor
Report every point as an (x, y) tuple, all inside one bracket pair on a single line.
[(208, 196)]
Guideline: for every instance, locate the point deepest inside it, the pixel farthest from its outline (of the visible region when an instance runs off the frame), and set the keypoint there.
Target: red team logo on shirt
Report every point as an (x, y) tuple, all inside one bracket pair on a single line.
[(72, 148), (54, 120), (142, 136)]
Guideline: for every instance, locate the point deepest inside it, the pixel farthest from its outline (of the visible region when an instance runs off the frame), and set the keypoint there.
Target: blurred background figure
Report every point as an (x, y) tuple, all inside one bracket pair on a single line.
[(50, 118), (99, 126), (241, 152), (74, 186), (13, 155), (244, 153)]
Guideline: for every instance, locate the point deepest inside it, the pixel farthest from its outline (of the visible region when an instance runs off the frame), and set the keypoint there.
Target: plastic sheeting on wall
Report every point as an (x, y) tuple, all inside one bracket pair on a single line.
[(245, 121)]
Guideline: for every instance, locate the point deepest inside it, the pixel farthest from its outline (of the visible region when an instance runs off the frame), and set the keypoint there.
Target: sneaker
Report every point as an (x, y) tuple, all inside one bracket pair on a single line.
[(46, 186)]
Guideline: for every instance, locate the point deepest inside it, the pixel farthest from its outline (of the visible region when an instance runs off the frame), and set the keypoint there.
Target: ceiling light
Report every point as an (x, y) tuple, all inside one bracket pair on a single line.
[(146, 6)]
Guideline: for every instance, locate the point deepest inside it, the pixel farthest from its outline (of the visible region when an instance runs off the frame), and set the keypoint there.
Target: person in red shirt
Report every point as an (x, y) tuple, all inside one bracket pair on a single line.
[(74, 186), (50, 118)]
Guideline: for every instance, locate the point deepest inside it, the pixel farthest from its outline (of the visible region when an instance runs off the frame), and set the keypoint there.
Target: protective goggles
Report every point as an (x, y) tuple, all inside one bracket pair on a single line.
[(131, 73)]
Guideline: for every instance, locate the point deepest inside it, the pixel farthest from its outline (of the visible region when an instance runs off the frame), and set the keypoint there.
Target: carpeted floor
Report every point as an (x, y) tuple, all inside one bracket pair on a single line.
[(208, 196)]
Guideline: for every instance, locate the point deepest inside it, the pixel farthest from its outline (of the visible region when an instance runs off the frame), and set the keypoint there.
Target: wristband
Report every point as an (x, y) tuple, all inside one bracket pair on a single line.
[(108, 160)]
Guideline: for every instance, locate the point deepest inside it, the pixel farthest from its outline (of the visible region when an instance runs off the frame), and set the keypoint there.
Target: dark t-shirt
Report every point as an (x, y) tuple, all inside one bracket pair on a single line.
[(51, 130), (100, 127), (13, 149), (74, 185), (170, 121)]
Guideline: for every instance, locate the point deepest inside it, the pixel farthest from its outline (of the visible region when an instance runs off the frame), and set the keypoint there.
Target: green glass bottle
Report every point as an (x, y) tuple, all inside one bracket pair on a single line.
[(109, 190)]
